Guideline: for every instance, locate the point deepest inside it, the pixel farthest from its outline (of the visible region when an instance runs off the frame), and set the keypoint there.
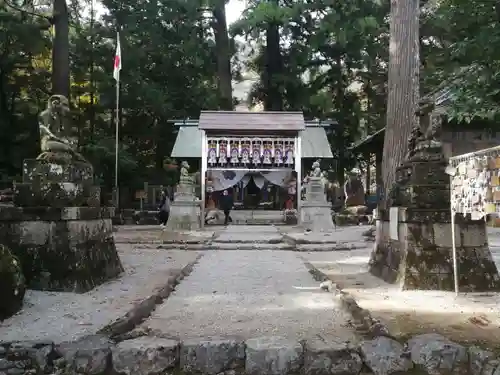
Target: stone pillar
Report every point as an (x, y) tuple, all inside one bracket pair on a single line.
[(316, 213), (378, 168), (185, 210), (414, 244)]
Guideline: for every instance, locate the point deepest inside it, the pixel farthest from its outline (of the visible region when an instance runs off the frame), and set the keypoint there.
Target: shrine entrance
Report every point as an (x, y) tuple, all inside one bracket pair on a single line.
[(256, 156)]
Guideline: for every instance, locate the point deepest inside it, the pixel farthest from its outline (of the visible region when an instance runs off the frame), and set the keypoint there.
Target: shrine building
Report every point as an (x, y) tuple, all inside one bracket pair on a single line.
[(253, 153)]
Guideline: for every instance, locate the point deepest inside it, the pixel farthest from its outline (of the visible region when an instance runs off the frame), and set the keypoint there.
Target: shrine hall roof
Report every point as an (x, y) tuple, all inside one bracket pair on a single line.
[(267, 120), (188, 143)]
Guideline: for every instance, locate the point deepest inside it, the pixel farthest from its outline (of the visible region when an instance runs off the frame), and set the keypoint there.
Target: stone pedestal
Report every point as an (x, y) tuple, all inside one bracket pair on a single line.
[(62, 249), (185, 210), (54, 185), (316, 213), (414, 244)]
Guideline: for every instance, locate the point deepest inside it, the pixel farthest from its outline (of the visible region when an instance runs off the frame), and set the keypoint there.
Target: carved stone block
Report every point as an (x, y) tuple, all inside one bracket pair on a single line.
[(56, 194), (428, 196), (429, 173), (35, 170)]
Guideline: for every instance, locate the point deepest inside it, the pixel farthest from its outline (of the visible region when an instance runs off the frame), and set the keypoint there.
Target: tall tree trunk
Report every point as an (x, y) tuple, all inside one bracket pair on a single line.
[(91, 71), (274, 68), (60, 50), (223, 56), (340, 126), (403, 88)]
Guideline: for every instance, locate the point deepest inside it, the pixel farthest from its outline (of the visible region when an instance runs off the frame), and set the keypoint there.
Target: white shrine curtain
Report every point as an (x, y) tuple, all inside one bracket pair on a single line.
[(245, 180), (222, 180), (279, 178), (259, 181)]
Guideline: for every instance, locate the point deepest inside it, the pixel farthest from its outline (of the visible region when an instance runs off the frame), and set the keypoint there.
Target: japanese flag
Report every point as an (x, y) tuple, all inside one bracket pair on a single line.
[(118, 59)]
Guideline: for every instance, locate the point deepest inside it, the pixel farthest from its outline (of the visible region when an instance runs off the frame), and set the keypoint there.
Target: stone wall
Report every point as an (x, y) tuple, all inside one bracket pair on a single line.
[(426, 354), (65, 249)]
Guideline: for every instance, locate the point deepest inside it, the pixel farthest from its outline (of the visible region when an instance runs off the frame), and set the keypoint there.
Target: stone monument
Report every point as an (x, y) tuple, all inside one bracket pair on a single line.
[(414, 241), (316, 210), (57, 229), (185, 210)]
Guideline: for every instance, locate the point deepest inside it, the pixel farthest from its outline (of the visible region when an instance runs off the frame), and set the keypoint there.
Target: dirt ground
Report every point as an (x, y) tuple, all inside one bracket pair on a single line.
[(469, 318)]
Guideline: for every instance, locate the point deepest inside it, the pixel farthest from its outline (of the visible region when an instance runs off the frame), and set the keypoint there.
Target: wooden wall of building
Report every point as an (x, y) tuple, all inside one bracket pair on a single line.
[(462, 142)]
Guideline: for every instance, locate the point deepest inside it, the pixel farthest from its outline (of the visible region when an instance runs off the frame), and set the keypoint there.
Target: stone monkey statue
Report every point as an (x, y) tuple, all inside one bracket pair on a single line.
[(54, 142)]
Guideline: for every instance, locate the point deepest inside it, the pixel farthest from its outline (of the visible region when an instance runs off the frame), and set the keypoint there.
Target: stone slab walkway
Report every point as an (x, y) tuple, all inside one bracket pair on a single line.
[(249, 294)]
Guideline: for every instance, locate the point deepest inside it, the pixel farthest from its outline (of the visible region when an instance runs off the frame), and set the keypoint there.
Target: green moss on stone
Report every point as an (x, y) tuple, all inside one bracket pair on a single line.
[(12, 284)]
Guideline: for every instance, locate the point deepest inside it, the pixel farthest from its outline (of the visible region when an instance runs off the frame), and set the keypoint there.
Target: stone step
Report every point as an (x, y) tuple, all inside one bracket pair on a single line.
[(258, 246)]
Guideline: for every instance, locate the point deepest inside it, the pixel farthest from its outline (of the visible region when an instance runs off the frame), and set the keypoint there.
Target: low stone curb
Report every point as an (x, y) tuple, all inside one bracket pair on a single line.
[(430, 354), (272, 241), (143, 310), (325, 244), (362, 320)]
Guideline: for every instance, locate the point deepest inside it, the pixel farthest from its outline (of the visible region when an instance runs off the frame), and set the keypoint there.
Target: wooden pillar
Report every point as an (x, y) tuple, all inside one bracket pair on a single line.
[(367, 157), (203, 176), (298, 170)]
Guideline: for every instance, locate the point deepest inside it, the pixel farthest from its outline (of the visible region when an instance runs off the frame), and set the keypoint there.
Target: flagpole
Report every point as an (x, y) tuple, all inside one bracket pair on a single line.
[(116, 75), (117, 134)]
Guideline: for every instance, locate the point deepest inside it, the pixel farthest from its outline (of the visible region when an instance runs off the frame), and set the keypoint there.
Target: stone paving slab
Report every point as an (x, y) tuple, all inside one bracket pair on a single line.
[(249, 294), (193, 237), (249, 234), (60, 316)]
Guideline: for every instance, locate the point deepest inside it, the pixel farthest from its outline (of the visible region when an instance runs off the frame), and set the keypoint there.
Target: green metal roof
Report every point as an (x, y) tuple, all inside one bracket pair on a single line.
[(188, 143)]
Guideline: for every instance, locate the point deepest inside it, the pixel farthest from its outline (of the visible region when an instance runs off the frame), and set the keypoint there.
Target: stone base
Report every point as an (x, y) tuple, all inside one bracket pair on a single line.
[(317, 217), (290, 217), (56, 194), (422, 257), (70, 249), (41, 170), (47, 184), (184, 216), (346, 220)]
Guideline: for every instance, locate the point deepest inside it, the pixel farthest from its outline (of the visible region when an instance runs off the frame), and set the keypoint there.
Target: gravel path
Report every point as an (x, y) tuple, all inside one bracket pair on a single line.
[(470, 317), (67, 316), (250, 294)]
